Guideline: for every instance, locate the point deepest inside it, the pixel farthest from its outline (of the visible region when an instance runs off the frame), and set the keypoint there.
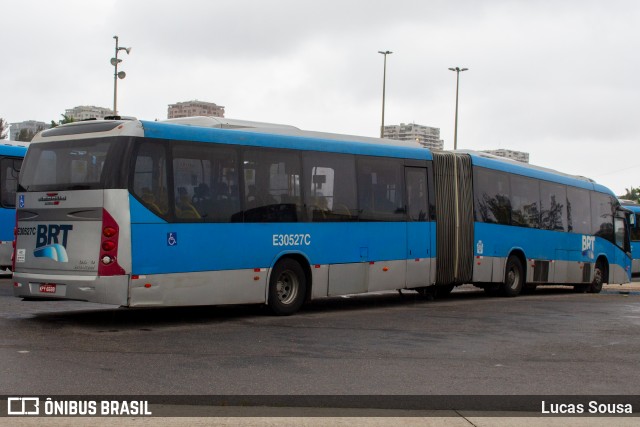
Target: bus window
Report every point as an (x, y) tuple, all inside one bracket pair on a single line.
[(621, 234), (416, 183), (272, 186), (525, 197), (578, 210), (330, 187), (602, 211), (10, 169), (205, 181), (635, 229), (491, 192), (380, 190), (150, 178), (553, 198), (72, 165)]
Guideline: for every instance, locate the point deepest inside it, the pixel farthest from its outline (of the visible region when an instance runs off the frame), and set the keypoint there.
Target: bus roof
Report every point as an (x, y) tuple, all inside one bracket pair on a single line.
[(12, 150), (513, 166), (281, 136), (240, 132), (631, 205)]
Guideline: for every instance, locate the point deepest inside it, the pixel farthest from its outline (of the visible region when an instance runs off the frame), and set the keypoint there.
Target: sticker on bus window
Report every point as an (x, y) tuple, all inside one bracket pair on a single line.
[(21, 201), (172, 238)]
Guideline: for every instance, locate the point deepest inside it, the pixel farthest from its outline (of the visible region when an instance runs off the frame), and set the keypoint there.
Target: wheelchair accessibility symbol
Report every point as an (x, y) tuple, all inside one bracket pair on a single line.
[(172, 238)]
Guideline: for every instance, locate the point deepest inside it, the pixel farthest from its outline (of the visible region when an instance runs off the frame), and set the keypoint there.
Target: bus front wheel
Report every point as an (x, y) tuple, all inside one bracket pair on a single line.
[(513, 277), (287, 287), (598, 279)]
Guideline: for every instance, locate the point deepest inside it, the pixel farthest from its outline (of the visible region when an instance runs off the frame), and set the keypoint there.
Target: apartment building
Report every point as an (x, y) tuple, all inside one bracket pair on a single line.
[(428, 136), (194, 108)]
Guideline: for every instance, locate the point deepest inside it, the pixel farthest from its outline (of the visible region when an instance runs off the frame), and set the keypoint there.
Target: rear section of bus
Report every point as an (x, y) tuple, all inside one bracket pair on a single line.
[(72, 215), (10, 161)]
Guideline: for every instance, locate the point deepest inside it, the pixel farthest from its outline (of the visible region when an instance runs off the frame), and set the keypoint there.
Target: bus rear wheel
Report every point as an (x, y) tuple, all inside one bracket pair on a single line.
[(513, 277), (287, 288)]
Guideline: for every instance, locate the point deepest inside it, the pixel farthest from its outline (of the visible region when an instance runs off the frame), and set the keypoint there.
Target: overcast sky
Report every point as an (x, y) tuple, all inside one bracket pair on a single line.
[(557, 79)]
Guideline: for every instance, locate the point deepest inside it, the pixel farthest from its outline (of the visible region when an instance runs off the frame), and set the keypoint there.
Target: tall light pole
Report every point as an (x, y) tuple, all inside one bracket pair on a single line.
[(458, 70), (384, 81), (117, 75)]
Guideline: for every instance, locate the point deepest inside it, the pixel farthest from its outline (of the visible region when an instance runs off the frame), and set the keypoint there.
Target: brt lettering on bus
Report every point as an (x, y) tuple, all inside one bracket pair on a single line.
[(51, 242), (588, 246)]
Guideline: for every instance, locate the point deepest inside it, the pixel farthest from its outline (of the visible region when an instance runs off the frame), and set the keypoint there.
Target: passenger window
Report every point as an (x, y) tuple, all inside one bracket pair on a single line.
[(150, 177), (380, 190), (553, 212), (578, 210), (417, 193), (330, 187), (491, 193), (621, 233), (271, 186), (602, 211), (525, 199), (205, 180), (10, 169), (635, 229)]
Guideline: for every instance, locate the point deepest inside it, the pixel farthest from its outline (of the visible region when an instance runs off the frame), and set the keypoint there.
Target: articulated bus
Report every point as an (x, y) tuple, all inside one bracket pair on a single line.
[(207, 211), (10, 160), (635, 235)]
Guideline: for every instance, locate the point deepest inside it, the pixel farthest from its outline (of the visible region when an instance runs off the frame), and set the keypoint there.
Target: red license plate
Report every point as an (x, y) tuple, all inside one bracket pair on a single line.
[(48, 288)]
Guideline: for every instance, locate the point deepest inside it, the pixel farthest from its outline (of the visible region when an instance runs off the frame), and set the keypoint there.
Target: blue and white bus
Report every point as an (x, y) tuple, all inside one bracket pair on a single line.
[(635, 235), (10, 160), (206, 211)]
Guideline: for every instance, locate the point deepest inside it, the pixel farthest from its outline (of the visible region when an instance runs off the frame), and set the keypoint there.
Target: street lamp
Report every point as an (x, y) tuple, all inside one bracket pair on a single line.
[(458, 70), (117, 75), (384, 80)]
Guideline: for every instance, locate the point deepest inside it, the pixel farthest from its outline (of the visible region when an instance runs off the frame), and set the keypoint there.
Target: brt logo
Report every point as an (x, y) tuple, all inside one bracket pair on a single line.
[(588, 246), (51, 242)]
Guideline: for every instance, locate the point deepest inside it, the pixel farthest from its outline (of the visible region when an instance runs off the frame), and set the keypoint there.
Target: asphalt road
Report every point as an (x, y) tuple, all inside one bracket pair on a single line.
[(554, 342)]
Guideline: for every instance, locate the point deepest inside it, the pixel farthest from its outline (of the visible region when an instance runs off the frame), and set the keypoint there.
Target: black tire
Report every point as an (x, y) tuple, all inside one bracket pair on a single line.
[(513, 277), (598, 279), (287, 288)]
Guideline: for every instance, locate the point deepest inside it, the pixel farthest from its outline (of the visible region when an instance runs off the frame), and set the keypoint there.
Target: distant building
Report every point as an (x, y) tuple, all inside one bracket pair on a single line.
[(426, 135), (84, 112), (520, 156), (194, 108), (31, 127)]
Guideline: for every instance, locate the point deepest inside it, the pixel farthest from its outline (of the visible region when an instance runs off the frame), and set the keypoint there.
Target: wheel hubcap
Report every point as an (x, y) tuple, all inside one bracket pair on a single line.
[(598, 277), (287, 287), (513, 278)]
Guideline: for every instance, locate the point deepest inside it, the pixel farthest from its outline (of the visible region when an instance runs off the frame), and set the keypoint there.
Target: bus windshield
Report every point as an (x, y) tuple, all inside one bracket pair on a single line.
[(69, 165)]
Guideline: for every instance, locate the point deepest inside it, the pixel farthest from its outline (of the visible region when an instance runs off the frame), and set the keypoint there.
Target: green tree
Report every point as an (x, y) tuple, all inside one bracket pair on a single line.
[(632, 194), (26, 135), (64, 121), (4, 126)]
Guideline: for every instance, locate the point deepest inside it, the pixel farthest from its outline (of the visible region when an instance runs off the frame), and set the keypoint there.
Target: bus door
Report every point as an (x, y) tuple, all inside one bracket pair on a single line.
[(623, 257), (418, 231)]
